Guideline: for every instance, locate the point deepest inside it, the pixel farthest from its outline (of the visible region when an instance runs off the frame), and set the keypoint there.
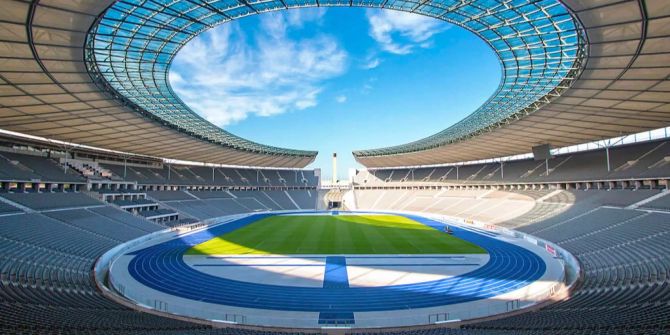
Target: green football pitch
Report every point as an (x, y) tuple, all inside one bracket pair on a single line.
[(335, 234)]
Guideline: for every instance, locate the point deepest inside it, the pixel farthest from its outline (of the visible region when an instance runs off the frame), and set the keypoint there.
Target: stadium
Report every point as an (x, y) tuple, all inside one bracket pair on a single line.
[(543, 211)]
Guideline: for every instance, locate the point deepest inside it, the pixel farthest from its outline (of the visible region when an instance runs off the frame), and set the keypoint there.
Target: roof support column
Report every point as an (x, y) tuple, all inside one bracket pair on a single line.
[(546, 166)]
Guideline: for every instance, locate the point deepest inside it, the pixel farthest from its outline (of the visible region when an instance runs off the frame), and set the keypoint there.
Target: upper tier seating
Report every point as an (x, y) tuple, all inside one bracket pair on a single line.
[(13, 170), (639, 160), (207, 176), (25, 167)]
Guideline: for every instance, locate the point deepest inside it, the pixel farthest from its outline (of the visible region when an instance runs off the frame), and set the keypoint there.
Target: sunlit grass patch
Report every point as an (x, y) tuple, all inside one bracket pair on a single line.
[(339, 234)]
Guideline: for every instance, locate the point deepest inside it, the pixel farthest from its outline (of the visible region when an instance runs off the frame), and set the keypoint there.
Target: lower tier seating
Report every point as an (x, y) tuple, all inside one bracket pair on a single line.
[(46, 260), (623, 252)]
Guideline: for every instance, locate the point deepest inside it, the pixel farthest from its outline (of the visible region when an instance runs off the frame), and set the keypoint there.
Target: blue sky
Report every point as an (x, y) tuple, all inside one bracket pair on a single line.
[(336, 79)]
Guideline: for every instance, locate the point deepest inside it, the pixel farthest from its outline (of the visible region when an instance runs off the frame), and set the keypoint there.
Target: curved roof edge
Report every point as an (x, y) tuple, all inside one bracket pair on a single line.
[(540, 58), (129, 53), (201, 129)]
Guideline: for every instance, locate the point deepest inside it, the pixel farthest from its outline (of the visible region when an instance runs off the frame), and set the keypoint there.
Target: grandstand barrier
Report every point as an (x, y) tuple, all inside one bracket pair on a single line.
[(438, 318)]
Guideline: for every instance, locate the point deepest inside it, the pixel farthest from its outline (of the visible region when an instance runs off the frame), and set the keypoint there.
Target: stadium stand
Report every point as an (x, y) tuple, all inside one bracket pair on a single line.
[(31, 167), (46, 263), (617, 235), (169, 195), (621, 248), (14, 170), (211, 194), (260, 196), (622, 251), (207, 176), (304, 199), (141, 203), (661, 203), (8, 209), (160, 215), (251, 204), (636, 161), (211, 204), (51, 234), (626, 269), (44, 201), (281, 198)]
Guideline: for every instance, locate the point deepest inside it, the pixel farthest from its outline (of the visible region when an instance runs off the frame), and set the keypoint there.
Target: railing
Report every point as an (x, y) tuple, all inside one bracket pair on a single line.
[(338, 323), (438, 318)]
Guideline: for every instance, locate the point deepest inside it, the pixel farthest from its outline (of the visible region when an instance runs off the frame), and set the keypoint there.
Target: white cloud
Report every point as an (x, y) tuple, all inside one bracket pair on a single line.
[(371, 63), (341, 99), (368, 86), (175, 78), (225, 75), (298, 17), (366, 89), (401, 32)]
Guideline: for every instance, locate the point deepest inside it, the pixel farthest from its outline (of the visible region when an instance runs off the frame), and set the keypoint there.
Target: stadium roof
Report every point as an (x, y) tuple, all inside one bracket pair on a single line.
[(58, 81), (95, 73), (622, 88), (541, 49)]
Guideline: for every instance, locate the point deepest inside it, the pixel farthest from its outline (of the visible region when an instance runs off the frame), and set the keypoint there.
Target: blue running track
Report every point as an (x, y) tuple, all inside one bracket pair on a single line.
[(336, 276), (162, 267)]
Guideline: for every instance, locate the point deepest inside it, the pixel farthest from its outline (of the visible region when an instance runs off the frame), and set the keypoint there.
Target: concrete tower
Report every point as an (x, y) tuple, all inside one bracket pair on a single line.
[(334, 167)]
